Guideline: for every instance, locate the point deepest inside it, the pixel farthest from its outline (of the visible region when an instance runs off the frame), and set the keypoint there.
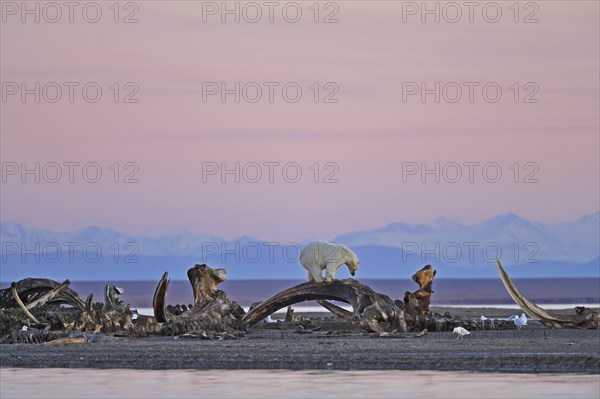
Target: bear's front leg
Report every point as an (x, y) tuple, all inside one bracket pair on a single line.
[(331, 269)]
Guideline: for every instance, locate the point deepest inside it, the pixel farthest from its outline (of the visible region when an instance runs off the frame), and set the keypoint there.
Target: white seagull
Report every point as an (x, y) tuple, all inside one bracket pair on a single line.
[(461, 332), (24, 328), (483, 320), (520, 322)]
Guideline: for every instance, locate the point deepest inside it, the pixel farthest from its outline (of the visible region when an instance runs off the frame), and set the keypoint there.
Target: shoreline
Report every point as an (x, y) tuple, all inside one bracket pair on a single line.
[(332, 345), (439, 352)]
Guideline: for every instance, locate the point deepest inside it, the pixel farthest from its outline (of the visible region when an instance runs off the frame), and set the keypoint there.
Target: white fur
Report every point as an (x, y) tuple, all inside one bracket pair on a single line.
[(461, 332), (320, 255)]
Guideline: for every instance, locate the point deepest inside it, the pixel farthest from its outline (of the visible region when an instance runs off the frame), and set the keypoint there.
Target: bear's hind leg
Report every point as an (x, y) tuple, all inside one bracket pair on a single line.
[(315, 274)]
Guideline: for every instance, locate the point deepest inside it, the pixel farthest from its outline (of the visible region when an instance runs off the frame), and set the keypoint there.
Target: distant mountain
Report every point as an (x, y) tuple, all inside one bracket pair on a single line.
[(526, 248), (179, 243), (577, 241)]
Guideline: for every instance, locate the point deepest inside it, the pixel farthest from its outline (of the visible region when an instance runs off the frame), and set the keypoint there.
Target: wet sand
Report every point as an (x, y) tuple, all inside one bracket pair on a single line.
[(334, 346)]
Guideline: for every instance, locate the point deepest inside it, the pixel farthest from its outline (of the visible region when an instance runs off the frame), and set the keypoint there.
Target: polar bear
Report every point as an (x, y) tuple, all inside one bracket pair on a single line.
[(320, 255)]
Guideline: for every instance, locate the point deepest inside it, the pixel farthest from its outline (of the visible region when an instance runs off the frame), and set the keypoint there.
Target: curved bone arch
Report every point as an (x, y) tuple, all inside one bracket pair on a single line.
[(35, 292), (369, 307), (584, 317)]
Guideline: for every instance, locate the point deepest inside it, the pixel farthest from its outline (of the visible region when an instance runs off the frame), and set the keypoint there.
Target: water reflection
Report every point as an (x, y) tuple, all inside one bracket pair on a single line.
[(126, 383)]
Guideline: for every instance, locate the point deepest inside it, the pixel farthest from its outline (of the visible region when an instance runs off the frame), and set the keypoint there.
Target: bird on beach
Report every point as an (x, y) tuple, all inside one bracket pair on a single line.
[(24, 328), (484, 319), (461, 332), (521, 321)]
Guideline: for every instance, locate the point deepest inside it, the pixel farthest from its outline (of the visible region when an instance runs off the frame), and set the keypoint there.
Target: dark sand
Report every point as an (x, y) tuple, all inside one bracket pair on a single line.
[(334, 346)]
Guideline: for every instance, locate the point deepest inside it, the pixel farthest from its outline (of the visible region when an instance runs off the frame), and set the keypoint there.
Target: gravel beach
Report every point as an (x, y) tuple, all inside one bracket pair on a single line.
[(334, 345)]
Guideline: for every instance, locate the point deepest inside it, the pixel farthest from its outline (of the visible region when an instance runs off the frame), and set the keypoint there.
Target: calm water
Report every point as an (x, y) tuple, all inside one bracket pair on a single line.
[(319, 309), (125, 383), (447, 291)]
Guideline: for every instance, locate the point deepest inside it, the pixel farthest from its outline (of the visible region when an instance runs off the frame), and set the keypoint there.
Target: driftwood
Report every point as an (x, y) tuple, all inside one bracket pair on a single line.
[(581, 318), (371, 311)]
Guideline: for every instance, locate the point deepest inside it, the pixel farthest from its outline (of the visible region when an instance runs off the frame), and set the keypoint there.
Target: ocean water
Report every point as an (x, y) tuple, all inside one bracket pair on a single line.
[(319, 309), (446, 292), (127, 383)]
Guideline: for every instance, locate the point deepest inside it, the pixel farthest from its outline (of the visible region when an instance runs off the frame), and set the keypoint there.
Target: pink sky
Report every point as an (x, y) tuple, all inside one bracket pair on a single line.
[(368, 134)]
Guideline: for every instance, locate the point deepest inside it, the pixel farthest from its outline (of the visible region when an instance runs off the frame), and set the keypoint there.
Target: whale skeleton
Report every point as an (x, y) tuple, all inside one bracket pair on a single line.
[(582, 318)]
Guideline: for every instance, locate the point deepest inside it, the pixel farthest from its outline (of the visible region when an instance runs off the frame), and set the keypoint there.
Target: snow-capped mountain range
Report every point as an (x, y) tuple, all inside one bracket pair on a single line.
[(531, 249), (577, 241)]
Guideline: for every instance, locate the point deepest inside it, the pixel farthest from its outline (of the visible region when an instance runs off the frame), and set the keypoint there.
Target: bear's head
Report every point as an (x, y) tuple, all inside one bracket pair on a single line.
[(353, 263), (353, 267)]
